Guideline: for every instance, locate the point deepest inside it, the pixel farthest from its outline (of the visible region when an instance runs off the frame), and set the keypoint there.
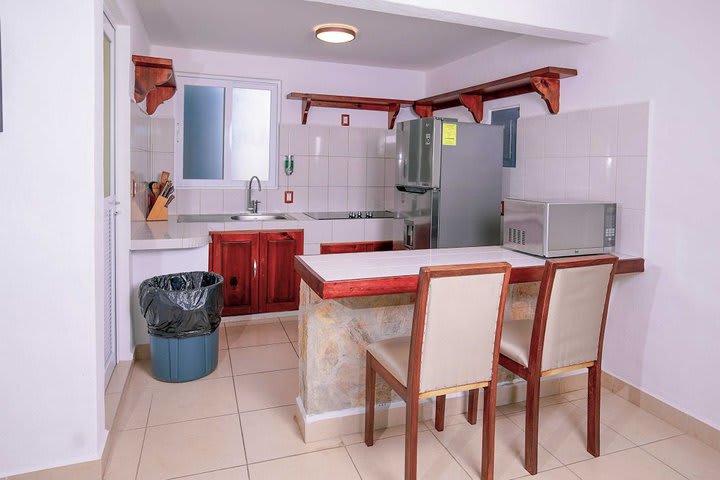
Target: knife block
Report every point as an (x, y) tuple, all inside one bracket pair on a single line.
[(159, 210)]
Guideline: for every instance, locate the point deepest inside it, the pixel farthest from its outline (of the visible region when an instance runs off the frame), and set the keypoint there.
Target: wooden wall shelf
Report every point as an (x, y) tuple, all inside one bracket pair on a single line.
[(154, 81), (390, 105), (544, 81)]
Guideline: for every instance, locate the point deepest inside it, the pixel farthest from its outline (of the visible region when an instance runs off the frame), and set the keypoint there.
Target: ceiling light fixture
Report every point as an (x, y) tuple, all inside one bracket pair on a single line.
[(335, 32)]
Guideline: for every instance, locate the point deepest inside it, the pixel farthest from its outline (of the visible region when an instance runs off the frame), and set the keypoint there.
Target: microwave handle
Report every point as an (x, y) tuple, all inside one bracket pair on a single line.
[(409, 235)]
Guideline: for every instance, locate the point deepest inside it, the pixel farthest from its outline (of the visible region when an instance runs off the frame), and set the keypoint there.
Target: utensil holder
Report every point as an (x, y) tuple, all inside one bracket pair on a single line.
[(159, 210)]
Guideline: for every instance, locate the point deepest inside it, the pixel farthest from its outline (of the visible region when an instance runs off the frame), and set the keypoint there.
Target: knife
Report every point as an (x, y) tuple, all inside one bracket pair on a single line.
[(169, 200)]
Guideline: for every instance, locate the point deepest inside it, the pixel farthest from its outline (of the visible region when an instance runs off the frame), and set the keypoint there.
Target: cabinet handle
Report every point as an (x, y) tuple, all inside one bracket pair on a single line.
[(254, 268)]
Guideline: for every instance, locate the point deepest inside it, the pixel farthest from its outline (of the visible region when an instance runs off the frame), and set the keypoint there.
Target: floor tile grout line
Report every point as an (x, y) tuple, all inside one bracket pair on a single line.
[(434, 432), (352, 461), (297, 454), (625, 450), (206, 472), (242, 433), (142, 446), (659, 459), (259, 344), (264, 371), (194, 419)]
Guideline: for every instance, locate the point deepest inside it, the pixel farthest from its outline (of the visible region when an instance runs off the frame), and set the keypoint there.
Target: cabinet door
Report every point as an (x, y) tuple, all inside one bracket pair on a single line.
[(235, 256), (279, 282), (345, 247)]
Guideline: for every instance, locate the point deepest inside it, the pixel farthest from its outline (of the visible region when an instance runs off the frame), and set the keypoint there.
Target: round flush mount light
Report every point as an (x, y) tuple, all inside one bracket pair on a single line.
[(335, 32)]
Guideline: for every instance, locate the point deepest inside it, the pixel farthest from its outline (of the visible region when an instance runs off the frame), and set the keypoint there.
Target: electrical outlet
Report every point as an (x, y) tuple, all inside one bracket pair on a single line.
[(345, 119), (289, 196)]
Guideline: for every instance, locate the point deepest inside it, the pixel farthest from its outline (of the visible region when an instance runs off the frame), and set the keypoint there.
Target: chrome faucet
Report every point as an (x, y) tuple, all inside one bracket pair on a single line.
[(252, 205)]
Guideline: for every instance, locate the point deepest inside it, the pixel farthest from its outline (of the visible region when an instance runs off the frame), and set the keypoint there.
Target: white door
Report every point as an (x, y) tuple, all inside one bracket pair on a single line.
[(109, 200)]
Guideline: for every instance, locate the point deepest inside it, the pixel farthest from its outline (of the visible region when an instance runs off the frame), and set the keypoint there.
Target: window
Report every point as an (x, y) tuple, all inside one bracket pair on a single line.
[(508, 118), (227, 131)]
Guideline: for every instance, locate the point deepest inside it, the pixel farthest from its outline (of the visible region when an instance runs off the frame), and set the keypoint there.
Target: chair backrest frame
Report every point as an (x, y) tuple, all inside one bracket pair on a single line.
[(421, 302), (537, 340)]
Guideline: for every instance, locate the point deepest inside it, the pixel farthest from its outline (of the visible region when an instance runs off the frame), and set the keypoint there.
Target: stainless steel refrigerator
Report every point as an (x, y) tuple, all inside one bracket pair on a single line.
[(449, 177)]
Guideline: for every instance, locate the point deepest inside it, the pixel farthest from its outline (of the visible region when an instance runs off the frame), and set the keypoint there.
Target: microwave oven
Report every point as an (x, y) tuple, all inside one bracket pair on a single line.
[(559, 228)]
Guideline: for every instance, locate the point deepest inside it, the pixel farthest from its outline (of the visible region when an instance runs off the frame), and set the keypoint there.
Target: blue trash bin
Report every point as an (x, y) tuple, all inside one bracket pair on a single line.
[(183, 314)]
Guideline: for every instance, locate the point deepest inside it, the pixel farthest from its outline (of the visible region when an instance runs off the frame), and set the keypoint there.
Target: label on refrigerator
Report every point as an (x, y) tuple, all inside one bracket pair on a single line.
[(449, 134)]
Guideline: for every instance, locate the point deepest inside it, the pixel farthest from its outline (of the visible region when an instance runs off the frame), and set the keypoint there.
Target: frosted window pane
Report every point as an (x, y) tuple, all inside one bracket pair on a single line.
[(250, 134), (203, 138)]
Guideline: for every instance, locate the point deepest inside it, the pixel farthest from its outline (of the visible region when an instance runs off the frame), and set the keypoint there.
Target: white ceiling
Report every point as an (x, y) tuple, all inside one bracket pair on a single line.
[(283, 28)]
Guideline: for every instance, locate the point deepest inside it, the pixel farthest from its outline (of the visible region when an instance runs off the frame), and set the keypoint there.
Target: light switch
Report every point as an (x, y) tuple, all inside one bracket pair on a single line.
[(345, 119), (289, 196)]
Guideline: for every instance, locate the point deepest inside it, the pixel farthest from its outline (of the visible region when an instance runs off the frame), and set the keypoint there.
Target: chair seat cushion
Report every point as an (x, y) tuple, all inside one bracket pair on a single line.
[(394, 355), (515, 340)]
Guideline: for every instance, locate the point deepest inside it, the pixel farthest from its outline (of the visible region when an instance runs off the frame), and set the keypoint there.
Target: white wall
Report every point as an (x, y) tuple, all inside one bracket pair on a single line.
[(664, 324), (307, 77), (50, 349)]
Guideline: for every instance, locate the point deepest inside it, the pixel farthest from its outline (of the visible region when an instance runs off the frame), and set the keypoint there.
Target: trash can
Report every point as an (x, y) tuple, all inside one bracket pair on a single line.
[(182, 311)]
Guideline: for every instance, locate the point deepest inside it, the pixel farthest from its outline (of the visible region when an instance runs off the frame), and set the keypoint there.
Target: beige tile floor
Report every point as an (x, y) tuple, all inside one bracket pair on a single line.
[(237, 424)]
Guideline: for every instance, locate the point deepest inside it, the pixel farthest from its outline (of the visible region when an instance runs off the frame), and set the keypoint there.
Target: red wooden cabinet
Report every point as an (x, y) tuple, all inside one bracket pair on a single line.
[(353, 247), (258, 268)]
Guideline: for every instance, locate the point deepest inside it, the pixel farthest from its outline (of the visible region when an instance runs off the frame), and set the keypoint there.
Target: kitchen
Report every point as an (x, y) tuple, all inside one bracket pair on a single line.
[(617, 138)]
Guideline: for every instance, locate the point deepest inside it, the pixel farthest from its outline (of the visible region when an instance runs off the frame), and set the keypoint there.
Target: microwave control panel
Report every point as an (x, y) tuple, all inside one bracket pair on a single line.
[(610, 219)]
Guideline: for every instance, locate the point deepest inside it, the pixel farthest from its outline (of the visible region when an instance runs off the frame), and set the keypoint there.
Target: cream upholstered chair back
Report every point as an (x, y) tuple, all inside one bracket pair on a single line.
[(576, 310), (458, 318)]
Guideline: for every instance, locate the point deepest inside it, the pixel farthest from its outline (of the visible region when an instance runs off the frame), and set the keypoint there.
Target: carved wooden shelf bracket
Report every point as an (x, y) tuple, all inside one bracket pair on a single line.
[(389, 105), (154, 81), (549, 90), (423, 111), (474, 103)]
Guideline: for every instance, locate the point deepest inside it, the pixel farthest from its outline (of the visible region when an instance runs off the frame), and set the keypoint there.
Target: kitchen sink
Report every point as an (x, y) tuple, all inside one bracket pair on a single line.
[(241, 217), (258, 217)]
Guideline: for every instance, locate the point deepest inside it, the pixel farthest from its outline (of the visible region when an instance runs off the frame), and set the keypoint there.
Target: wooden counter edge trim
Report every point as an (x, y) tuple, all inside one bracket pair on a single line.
[(365, 287)]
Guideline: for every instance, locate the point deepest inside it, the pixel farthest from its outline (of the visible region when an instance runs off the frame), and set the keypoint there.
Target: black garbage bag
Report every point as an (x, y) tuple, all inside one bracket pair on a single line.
[(182, 304)]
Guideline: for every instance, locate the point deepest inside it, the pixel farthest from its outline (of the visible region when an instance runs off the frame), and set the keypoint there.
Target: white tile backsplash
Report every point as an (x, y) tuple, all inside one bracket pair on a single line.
[(357, 172), (375, 143), (577, 178), (318, 140), (275, 201), (338, 171), (317, 199), (375, 172), (188, 200), (337, 199), (356, 198), (604, 132), (298, 140), (234, 200), (357, 145), (555, 135), (630, 188), (318, 174), (554, 178), (162, 134), (602, 178), (598, 154), (339, 141), (211, 201), (375, 198), (300, 200), (578, 134)]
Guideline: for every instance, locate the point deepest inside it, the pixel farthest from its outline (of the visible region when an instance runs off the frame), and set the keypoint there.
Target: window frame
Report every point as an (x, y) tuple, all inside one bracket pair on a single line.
[(228, 83)]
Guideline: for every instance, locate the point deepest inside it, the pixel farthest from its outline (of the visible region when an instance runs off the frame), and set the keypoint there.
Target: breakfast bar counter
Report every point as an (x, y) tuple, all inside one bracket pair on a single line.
[(348, 301)]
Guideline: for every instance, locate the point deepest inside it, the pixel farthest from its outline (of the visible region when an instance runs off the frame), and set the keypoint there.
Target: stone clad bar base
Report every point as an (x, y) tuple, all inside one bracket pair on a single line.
[(333, 336)]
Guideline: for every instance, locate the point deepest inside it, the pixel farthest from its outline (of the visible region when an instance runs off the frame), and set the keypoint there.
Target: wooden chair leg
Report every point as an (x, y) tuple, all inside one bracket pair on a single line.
[(487, 469), (369, 402), (411, 437), (532, 412), (473, 406), (440, 413), (593, 410)]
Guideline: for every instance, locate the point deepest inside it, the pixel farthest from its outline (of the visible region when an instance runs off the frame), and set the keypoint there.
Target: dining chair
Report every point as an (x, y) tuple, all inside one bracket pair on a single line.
[(453, 347), (566, 334)]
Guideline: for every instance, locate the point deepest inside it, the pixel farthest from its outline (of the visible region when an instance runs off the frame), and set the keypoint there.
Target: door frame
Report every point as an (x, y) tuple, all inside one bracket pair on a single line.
[(109, 31)]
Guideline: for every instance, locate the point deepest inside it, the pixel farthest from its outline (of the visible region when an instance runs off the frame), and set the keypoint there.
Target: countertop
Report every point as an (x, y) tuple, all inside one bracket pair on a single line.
[(170, 235), (376, 273)]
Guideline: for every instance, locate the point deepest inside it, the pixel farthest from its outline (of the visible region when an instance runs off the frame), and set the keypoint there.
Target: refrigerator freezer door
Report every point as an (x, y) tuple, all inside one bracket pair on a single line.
[(471, 188), (418, 153)]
